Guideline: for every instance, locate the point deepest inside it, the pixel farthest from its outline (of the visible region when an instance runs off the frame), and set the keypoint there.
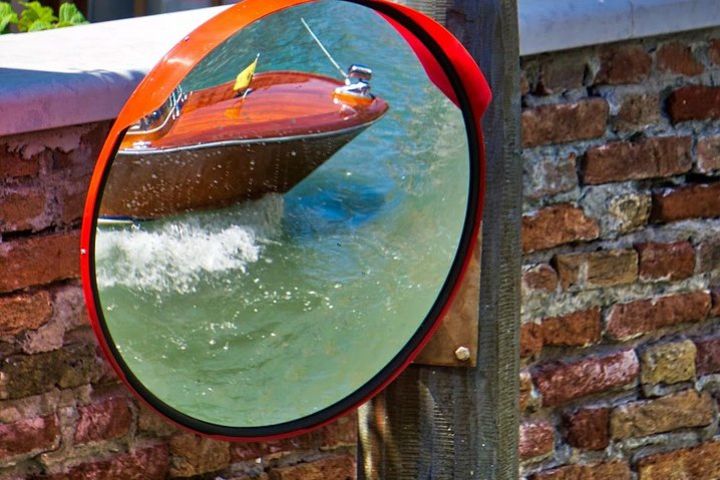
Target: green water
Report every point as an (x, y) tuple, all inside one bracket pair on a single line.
[(272, 310)]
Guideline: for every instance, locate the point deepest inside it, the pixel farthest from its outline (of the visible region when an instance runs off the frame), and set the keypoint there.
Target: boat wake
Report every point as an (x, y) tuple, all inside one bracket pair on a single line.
[(174, 255)]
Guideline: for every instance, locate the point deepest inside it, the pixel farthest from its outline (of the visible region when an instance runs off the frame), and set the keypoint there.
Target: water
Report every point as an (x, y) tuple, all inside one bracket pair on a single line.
[(271, 310)]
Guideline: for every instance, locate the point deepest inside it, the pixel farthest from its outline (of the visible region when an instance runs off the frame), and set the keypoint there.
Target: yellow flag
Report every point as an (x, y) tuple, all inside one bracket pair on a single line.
[(245, 77)]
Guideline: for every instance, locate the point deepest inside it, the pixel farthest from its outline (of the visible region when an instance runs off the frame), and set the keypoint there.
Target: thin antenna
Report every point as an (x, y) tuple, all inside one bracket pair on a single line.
[(322, 47)]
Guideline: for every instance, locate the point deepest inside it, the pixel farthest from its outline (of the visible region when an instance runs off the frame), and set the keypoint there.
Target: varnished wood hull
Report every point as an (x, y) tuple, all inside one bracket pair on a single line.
[(213, 176)]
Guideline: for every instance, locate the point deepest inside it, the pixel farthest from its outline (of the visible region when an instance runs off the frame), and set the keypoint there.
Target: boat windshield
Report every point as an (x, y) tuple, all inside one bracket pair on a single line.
[(158, 119)]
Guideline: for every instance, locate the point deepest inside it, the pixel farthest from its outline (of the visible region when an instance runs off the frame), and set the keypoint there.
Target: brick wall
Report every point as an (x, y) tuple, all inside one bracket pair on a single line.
[(621, 277), (63, 414)]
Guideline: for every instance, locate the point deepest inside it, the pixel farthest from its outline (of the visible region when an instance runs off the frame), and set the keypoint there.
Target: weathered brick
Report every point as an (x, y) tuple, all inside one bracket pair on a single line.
[(195, 455), (37, 434), (549, 175), (539, 278), (715, 309), (24, 311), (152, 423), (678, 58), (694, 102), (531, 339), (690, 201), (560, 382), (563, 123), (627, 212), (668, 363), (637, 111), (629, 320), (20, 209), (39, 260), (577, 329), (526, 387), (340, 467), (69, 367), (647, 158), (605, 268), (708, 355), (537, 439), (148, 463), (621, 64), (708, 258), (714, 51), (686, 409), (708, 154), (559, 73), (102, 421), (556, 225), (697, 463), (13, 164), (666, 261), (588, 428), (596, 471)]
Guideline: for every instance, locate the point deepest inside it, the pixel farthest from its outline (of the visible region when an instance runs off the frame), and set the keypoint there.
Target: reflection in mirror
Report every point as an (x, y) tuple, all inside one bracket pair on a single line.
[(274, 234)]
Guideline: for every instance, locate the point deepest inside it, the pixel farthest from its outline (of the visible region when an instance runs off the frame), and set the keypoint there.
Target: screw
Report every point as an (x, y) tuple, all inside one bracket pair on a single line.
[(462, 354)]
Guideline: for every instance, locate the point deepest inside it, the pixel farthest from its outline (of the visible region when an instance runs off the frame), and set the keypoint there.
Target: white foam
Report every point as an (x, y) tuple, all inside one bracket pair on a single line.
[(172, 255)]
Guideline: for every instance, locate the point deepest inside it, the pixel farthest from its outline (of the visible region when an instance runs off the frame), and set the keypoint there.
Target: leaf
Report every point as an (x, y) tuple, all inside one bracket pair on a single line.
[(35, 12), (38, 25), (7, 16), (69, 15)]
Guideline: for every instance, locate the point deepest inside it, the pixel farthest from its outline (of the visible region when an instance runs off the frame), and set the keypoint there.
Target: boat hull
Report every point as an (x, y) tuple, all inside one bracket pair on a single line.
[(174, 181)]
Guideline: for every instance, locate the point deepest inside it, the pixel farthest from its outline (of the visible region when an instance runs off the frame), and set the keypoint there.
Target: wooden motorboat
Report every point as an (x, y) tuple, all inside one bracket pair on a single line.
[(214, 147)]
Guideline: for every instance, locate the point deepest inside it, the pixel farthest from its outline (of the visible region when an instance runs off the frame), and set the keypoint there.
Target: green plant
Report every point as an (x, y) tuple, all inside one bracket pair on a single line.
[(7, 16), (36, 16)]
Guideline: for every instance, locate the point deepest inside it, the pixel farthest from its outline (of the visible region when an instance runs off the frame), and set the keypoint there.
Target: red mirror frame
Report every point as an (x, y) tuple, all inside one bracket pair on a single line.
[(448, 65)]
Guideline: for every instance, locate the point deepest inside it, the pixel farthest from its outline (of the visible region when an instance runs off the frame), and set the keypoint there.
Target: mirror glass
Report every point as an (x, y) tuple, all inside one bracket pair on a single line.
[(274, 236)]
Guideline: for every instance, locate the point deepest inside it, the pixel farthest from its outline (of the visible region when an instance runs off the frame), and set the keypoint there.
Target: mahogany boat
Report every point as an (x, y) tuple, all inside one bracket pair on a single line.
[(211, 148)]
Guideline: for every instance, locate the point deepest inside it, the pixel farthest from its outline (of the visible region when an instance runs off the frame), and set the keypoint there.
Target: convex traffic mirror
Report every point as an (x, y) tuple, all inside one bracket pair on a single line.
[(283, 211)]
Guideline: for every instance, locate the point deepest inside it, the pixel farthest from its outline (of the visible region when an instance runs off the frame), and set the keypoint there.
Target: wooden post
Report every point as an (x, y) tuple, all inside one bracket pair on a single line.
[(462, 423)]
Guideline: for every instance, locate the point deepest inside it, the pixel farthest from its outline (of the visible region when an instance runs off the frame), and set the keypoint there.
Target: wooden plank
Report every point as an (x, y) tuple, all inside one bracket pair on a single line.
[(458, 333), (462, 423)]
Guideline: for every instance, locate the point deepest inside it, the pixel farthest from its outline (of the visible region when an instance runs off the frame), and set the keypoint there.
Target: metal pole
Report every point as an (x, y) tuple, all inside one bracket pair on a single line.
[(462, 423)]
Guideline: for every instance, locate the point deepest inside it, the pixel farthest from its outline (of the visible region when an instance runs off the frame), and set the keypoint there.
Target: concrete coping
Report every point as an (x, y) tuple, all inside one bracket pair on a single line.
[(84, 74)]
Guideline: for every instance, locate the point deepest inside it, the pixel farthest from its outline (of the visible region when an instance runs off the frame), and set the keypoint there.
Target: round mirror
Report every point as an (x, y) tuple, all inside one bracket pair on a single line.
[(282, 212)]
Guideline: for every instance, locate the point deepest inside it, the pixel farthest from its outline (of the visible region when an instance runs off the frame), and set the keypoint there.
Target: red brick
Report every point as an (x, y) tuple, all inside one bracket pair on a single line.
[(526, 387), (647, 158), (150, 463), (102, 421), (556, 225), (596, 471), (714, 51), (604, 268), (588, 428), (666, 261), (629, 320), (687, 409), (539, 278), (531, 340), (715, 310), (560, 382), (26, 311), (195, 455), (563, 123), (621, 64), (708, 355), (30, 435), (694, 102), (708, 258), (13, 164), (577, 329), (697, 463), (537, 439), (692, 201), (708, 154), (637, 112), (39, 260), (20, 209), (336, 467), (72, 203), (677, 58)]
